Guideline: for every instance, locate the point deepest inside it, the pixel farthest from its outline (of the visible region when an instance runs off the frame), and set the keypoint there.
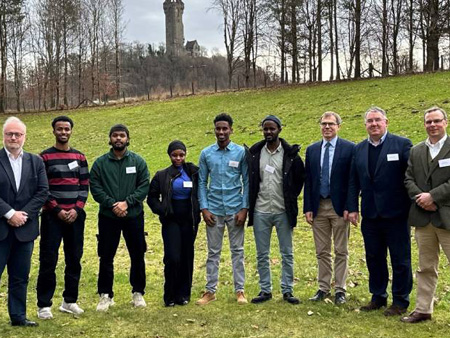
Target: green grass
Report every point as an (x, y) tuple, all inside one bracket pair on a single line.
[(153, 125)]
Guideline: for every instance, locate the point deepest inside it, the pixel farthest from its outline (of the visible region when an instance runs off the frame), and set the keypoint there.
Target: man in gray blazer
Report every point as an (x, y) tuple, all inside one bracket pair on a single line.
[(24, 189), (428, 184)]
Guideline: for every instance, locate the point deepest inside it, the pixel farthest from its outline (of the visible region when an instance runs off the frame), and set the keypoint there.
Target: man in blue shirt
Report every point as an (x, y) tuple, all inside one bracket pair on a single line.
[(223, 197)]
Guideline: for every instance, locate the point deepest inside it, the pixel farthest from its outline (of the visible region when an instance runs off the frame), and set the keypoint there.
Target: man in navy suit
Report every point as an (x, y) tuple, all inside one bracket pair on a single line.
[(324, 204), (378, 172), (24, 189)]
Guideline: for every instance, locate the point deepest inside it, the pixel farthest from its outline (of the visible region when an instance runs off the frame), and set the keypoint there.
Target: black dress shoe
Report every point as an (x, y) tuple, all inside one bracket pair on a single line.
[(416, 317), (372, 306), (339, 298), (262, 297), (24, 322), (320, 295), (394, 310), (289, 297)]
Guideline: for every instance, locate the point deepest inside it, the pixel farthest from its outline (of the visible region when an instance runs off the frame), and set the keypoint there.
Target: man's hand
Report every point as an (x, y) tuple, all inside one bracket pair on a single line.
[(432, 207), (353, 217), (424, 200), (309, 217), (208, 218), (72, 215), (18, 219), (345, 216), (120, 208), (240, 217)]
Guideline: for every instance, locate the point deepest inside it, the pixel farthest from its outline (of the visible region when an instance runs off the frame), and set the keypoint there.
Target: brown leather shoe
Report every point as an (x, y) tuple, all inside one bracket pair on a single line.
[(241, 298), (394, 310), (372, 306), (207, 298), (416, 317)]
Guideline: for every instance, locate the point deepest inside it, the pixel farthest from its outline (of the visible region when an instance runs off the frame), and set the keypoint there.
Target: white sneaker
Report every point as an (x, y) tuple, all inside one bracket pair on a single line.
[(138, 300), (44, 313), (72, 308), (105, 302)]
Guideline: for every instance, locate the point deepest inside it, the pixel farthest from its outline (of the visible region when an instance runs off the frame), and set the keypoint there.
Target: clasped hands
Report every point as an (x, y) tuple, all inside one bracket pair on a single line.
[(18, 219), (68, 216), (239, 218), (120, 208), (425, 201)]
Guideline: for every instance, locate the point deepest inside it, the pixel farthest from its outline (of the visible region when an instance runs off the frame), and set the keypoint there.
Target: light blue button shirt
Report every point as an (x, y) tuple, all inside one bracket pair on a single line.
[(226, 171), (331, 150)]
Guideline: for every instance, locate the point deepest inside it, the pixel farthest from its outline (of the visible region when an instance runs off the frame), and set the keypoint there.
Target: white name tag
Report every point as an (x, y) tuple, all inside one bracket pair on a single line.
[(269, 169), (73, 165), (187, 184), (444, 163), (131, 170), (234, 164), (392, 157)]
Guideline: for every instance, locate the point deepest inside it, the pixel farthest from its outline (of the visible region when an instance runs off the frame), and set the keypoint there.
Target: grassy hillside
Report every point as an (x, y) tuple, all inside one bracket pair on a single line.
[(152, 126)]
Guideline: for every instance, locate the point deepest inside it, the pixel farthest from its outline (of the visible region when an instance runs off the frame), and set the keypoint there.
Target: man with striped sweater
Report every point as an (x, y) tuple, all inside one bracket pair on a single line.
[(63, 219)]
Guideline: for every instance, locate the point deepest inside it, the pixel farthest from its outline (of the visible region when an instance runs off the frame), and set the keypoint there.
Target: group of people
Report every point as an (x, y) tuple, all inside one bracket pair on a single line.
[(400, 186)]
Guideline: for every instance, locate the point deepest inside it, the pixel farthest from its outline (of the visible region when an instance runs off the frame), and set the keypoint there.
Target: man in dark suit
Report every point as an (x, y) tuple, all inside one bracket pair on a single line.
[(377, 172), (427, 181), (24, 190), (324, 204)]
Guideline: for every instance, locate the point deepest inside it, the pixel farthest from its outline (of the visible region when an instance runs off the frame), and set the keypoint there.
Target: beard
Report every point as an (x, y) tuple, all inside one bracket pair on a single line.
[(120, 147)]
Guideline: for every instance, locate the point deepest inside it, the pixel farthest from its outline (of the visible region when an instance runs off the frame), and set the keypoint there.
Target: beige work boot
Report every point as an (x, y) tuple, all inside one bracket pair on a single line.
[(207, 297), (241, 298)]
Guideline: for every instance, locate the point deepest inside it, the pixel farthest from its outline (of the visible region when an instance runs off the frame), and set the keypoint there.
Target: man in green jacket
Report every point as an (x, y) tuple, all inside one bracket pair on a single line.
[(119, 183)]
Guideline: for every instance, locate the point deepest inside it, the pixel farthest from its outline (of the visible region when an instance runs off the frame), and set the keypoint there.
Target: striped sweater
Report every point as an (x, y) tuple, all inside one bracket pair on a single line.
[(68, 179)]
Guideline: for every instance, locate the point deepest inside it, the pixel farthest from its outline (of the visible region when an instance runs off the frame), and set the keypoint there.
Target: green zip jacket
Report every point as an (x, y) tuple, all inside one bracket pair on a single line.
[(113, 180)]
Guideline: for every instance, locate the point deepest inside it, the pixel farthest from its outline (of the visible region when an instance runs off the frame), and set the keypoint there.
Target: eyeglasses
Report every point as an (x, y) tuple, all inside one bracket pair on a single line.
[(377, 120), (437, 121), (328, 124), (16, 135)]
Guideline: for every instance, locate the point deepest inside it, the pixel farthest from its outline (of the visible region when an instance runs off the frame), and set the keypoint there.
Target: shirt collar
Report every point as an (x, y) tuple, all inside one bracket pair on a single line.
[(10, 155), (380, 142), (438, 144), (228, 147), (279, 148), (333, 142)]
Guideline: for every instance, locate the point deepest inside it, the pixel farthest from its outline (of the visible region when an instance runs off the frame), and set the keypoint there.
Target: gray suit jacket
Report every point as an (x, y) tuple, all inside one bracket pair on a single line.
[(434, 179)]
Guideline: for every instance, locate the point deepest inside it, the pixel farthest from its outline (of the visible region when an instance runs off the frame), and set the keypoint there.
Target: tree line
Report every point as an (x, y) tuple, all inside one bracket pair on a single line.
[(66, 53)]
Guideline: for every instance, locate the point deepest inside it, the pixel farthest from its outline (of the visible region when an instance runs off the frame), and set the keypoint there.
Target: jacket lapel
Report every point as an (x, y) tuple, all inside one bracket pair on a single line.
[(337, 153), (424, 159), (4, 161), (384, 151), (316, 159), (26, 170), (442, 153)]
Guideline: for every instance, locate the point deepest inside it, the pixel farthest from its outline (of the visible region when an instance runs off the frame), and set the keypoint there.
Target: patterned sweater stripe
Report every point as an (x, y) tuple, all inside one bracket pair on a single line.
[(68, 179)]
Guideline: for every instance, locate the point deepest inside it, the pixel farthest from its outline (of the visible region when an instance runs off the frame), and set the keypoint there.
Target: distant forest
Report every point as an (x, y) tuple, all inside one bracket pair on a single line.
[(70, 53)]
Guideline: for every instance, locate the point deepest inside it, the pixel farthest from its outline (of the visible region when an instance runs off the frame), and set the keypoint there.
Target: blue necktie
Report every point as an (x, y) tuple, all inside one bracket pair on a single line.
[(325, 175)]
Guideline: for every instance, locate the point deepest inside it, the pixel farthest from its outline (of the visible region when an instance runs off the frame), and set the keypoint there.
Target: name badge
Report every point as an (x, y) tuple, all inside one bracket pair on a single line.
[(269, 169), (73, 165), (444, 163), (187, 184), (131, 170), (392, 157), (233, 164)]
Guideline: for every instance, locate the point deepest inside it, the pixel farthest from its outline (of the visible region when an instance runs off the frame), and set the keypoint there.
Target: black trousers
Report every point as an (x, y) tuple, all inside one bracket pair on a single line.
[(381, 235), (109, 230), (17, 256), (179, 236), (53, 231)]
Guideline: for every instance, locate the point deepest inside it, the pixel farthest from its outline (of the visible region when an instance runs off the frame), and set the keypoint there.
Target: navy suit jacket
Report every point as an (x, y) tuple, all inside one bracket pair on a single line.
[(32, 194), (340, 173), (383, 195)]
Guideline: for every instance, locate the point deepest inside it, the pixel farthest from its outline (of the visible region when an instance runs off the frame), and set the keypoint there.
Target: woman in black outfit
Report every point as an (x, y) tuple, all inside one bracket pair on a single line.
[(173, 197)]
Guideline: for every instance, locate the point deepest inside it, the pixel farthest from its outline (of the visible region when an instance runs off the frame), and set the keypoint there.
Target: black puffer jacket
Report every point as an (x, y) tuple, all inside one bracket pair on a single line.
[(293, 178), (160, 193)]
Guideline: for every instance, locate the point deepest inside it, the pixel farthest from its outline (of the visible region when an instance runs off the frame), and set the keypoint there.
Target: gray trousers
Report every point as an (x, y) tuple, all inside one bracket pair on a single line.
[(262, 229), (214, 236)]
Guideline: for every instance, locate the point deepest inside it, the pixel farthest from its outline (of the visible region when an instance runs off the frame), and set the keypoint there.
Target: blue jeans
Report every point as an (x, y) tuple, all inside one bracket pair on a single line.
[(262, 229)]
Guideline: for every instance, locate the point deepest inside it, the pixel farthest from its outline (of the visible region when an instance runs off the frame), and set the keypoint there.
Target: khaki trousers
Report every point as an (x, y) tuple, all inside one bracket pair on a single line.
[(328, 227), (428, 239)]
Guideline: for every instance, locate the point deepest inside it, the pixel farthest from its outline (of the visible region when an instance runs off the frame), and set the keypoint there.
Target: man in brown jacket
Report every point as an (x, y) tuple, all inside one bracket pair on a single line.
[(428, 184)]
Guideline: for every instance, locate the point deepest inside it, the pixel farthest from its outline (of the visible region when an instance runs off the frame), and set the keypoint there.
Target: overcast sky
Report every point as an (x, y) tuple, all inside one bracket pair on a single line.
[(145, 22)]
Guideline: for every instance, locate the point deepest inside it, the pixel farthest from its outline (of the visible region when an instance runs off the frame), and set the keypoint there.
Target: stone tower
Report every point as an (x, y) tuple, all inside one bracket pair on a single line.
[(174, 27)]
